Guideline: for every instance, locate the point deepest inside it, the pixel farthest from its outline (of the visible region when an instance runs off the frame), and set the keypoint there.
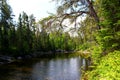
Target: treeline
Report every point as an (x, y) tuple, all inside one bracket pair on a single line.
[(27, 36)]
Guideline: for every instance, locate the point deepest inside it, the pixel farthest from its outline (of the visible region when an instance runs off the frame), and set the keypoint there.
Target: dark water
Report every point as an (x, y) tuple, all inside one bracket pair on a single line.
[(42, 69)]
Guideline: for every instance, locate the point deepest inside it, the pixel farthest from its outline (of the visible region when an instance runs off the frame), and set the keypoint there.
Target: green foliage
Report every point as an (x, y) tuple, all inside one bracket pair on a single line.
[(107, 68), (84, 46), (105, 38), (5, 25), (108, 36), (96, 53), (27, 36)]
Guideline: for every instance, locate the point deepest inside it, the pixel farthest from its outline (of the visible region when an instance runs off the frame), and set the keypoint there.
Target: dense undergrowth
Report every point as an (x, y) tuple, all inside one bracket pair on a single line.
[(104, 67)]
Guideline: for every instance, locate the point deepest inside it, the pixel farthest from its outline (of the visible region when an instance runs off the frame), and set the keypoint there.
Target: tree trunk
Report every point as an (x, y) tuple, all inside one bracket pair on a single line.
[(93, 13)]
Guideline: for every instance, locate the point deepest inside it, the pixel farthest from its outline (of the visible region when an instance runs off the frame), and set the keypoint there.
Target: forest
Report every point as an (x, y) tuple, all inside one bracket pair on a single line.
[(28, 36), (98, 33)]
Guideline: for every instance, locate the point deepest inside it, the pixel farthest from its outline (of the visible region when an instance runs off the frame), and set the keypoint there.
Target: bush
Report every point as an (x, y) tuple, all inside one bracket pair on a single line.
[(107, 69), (96, 54)]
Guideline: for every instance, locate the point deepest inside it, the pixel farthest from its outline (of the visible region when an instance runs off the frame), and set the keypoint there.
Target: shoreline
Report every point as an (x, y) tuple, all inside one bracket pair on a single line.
[(6, 59)]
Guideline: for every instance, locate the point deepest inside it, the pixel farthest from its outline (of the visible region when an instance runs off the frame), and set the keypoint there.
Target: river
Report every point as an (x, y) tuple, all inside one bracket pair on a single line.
[(42, 69)]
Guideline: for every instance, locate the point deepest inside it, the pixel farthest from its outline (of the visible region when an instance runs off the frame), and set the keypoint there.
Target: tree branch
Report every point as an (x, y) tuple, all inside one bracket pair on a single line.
[(93, 13)]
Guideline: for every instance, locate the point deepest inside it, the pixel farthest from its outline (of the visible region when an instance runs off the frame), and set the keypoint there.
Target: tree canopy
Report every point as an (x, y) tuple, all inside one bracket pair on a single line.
[(73, 9)]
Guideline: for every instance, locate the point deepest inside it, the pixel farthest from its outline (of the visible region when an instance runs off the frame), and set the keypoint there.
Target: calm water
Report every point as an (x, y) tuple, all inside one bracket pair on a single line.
[(42, 69)]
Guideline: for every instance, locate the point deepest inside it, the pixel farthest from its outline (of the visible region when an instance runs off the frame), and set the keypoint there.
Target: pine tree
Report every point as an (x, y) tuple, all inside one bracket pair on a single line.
[(5, 23)]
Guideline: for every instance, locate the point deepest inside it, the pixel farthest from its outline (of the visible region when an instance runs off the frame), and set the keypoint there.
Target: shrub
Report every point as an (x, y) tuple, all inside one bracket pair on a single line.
[(107, 69)]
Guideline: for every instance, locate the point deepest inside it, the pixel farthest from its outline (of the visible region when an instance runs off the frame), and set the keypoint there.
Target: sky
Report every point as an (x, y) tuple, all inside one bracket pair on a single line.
[(39, 8)]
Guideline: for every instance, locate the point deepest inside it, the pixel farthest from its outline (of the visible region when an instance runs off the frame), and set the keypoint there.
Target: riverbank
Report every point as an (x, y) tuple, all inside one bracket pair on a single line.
[(5, 59), (105, 68)]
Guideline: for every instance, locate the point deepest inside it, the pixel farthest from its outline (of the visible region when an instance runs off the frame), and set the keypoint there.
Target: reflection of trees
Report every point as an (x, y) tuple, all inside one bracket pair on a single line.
[(40, 70), (55, 69)]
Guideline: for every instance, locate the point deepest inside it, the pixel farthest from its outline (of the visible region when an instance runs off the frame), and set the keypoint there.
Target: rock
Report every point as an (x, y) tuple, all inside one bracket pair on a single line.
[(19, 57), (6, 59)]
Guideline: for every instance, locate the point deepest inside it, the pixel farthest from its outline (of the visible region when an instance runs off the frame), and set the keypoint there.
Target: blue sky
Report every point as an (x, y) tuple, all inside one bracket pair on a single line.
[(39, 8)]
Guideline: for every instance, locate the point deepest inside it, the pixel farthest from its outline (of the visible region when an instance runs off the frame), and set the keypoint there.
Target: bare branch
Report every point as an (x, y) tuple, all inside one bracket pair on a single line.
[(81, 7)]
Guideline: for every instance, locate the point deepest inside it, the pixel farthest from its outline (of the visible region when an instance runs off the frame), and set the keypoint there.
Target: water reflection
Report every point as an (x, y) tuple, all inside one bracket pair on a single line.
[(54, 69)]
